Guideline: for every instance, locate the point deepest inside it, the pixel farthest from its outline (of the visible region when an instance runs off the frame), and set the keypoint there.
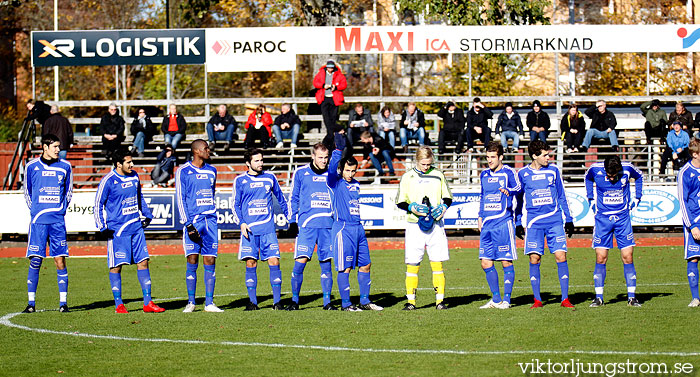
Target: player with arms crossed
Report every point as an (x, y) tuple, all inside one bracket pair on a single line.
[(612, 210), (48, 187), (425, 228), (499, 184), (252, 210), (119, 207), (311, 218), (349, 244), (688, 182), (195, 187), (544, 199)]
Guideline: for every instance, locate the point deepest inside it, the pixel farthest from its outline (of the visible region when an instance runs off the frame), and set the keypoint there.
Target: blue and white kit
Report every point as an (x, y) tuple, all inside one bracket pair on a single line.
[(688, 183), (497, 238), (310, 207), (195, 190)]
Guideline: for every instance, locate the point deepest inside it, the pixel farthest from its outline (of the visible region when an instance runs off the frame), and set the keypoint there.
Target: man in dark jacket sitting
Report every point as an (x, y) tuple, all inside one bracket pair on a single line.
[(509, 126), (112, 127), (603, 124), (57, 124), (143, 130), (377, 150), (359, 121), (222, 126), (478, 124), (452, 128), (286, 126)]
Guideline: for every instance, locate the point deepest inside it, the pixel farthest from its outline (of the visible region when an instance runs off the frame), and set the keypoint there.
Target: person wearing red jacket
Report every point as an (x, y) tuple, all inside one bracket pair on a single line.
[(330, 83), (259, 126)]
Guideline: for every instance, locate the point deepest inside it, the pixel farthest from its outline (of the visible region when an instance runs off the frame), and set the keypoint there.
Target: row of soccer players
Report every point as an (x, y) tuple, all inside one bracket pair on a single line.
[(324, 210)]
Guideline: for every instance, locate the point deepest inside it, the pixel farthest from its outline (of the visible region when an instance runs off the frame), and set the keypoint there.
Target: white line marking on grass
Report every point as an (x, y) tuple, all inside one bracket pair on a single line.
[(6, 321)]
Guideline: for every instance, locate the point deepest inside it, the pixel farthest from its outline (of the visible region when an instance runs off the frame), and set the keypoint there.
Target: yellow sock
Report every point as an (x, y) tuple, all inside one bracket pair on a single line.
[(438, 281), (411, 283)]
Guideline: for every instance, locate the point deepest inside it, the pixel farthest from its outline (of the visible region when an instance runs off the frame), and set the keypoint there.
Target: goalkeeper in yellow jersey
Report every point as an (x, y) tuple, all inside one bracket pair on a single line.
[(424, 194)]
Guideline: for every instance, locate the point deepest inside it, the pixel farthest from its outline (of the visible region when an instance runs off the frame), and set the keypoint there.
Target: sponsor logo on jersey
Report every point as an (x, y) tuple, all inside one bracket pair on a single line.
[(49, 199), (127, 184), (319, 179), (257, 211), (542, 201), (189, 246), (246, 249), (320, 204), (561, 239), (492, 180), (302, 248), (504, 248), (48, 173), (693, 248), (130, 210), (120, 254), (492, 206), (256, 184), (355, 211), (205, 202), (33, 248), (274, 246), (349, 258), (538, 177), (202, 176), (532, 245)]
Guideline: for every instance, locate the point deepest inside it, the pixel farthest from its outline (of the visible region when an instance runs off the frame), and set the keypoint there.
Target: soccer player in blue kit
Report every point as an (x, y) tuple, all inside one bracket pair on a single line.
[(48, 187), (252, 210), (119, 208), (612, 210), (542, 194), (195, 187), (349, 244), (310, 217), (688, 182), (499, 184)]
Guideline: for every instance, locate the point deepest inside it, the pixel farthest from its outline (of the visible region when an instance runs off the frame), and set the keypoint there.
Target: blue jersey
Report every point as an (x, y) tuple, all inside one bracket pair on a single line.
[(345, 195), (688, 182), (542, 193), (119, 204), (48, 190), (495, 207), (252, 201), (613, 199), (310, 200), (194, 189)]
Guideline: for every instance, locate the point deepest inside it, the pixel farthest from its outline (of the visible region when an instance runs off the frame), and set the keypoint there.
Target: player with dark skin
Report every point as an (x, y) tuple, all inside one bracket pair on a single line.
[(200, 154)]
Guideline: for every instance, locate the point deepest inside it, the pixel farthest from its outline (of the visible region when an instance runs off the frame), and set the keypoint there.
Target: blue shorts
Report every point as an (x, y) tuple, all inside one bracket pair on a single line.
[(349, 246), (555, 235), (40, 233), (692, 247), (606, 226), (209, 232), (498, 242), (259, 247), (127, 249), (308, 238)]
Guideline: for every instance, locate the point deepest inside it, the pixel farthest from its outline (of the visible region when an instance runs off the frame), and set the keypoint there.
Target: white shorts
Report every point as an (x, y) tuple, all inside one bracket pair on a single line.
[(418, 241)]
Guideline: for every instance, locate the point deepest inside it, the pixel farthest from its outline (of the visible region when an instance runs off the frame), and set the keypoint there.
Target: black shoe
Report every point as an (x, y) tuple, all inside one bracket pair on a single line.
[(632, 301), (615, 148), (278, 306), (29, 309), (583, 149), (441, 306), (63, 309), (597, 302), (329, 307), (408, 306), (370, 306), (351, 308), (293, 306), (141, 155), (250, 307)]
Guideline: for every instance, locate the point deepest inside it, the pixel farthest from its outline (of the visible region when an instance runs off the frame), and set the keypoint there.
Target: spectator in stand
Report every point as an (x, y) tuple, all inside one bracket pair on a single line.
[(677, 143), (258, 128), (573, 126), (359, 121), (174, 127), (143, 130), (221, 126), (376, 149), (478, 124), (38, 111), (57, 124), (538, 122), (112, 127), (510, 127), (412, 126), (656, 121), (603, 125), (286, 126), (330, 83), (165, 166), (452, 128), (386, 126), (684, 116)]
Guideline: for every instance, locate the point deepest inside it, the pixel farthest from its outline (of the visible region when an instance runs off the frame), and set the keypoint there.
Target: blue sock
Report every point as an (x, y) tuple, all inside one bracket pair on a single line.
[(115, 281), (145, 281), (492, 279), (630, 278), (276, 283), (191, 281), (344, 288), (365, 282), (326, 281), (508, 280), (693, 278), (62, 279), (209, 283), (563, 270), (297, 279), (599, 280), (33, 279), (251, 283), (535, 280)]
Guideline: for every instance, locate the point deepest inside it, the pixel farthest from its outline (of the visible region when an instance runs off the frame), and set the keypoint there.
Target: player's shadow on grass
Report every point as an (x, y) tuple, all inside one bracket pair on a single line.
[(551, 298), (642, 297), (103, 304), (384, 299), (243, 301), (453, 302)]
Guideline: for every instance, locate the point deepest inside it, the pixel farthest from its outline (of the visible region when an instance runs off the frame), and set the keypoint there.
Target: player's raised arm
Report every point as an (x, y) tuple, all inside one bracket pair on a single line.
[(333, 176)]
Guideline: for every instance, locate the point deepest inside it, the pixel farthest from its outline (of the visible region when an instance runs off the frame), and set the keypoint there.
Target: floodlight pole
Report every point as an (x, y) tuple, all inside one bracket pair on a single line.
[(55, 68)]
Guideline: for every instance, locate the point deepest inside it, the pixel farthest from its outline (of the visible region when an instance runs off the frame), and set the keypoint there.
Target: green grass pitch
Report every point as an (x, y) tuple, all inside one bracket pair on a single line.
[(466, 340)]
